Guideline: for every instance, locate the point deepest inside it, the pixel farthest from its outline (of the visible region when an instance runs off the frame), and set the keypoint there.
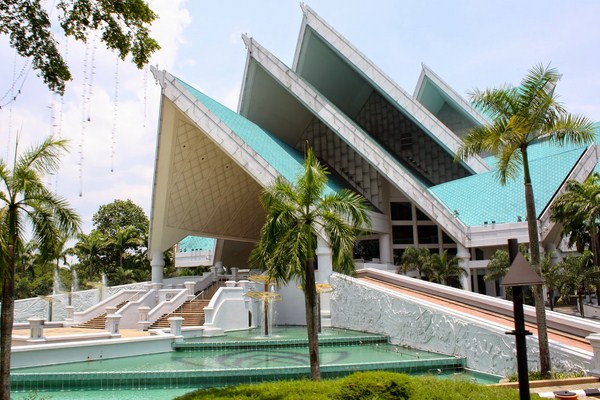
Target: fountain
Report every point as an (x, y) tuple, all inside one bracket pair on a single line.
[(56, 285), (265, 297)]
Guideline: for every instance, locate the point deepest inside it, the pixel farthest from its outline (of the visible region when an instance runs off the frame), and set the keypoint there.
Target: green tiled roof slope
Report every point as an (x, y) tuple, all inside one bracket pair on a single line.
[(480, 198), (286, 160), (196, 243)]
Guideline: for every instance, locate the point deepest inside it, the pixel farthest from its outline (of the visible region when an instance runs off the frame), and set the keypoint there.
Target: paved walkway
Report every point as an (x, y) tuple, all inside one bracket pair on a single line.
[(76, 333)]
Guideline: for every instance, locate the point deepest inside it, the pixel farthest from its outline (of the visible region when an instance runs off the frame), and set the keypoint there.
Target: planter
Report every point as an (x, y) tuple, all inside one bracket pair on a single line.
[(565, 395)]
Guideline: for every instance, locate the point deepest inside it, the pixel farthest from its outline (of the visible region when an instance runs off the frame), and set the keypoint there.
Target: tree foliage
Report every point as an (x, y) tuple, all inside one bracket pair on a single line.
[(123, 26), (520, 116), (295, 216), (27, 205), (416, 259), (113, 217)]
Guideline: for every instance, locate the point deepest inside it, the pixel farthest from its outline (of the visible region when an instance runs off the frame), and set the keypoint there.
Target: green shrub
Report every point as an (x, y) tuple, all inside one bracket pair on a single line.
[(375, 385), (537, 375)]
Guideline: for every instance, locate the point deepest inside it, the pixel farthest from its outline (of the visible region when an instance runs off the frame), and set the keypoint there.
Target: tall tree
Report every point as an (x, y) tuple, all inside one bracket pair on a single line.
[(416, 259), (578, 211), (89, 250), (295, 216), (445, 270), (124, 27), (26, 202), (566, 210), (520, 116), (113, 217)]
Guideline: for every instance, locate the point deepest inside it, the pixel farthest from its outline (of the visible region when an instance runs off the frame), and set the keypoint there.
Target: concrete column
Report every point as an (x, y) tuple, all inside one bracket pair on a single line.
[(220, 269), (112, 324), (464, 257), (234, 273), (190, 286), (36, 329), (176, 323), (143, 322), (594, 340), (214, 272), (385, 249), (157, 263), (70, 314), (325, 270)]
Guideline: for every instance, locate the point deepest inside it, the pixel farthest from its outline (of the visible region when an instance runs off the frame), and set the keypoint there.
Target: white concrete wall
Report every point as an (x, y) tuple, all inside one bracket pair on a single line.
[(290, 310), (418, 324), (60, 353)]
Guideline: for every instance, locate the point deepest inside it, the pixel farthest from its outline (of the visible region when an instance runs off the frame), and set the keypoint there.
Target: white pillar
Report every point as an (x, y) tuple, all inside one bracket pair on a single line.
[(157, 263), (36, 329), (175, 324), (190, 286), (385, 249), (143, 322), (325, 265), (234, 273), (464, 256), (594, 340), (112, 324)]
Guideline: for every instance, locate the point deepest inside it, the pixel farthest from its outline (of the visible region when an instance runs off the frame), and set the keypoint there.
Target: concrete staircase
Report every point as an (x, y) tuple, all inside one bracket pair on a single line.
[(98, 322), (191, 311)]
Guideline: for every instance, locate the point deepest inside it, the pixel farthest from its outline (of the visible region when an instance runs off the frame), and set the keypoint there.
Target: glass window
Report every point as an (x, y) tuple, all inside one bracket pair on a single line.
[(446, 239), (421, 216), (428, 234), (401, 211), (402, 234)]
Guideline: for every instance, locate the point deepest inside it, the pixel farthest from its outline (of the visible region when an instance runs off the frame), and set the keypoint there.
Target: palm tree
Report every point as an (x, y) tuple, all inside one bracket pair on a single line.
[(445, 270), (521, 116), (124, 239), (295, 216), (89, 249), (578, 211), (416, 259), (576, 271), (25, 199)]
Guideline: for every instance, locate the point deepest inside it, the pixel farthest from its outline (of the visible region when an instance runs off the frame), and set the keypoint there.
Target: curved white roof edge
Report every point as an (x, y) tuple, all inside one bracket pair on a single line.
[(427, 73), (161, 236), (358, 140), (389, 88)]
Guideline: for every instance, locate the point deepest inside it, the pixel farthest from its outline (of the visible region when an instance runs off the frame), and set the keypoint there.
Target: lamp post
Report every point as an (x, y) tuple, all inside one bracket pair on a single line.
[(520, 274)]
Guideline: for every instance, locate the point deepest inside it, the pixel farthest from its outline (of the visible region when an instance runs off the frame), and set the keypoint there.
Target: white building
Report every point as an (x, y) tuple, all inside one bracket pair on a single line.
[(394, 148)]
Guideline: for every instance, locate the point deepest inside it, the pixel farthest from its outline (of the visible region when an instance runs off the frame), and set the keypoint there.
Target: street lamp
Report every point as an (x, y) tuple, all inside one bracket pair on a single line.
[(520, 274)]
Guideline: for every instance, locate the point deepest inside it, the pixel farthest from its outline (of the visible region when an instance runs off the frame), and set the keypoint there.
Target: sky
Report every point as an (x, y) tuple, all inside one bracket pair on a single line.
[(110, 111)]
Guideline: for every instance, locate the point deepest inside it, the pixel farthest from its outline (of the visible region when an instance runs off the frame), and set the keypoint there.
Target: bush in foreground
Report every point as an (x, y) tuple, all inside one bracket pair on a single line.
[(360, 386)]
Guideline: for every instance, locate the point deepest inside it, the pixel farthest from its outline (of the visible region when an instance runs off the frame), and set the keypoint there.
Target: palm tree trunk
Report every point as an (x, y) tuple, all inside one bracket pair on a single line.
[(534, 248), (7, 318), (311, 319)]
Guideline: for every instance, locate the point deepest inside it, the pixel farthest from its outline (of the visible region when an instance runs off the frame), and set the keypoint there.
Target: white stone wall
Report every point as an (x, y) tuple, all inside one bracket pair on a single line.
[(413, 323), (82, 300)]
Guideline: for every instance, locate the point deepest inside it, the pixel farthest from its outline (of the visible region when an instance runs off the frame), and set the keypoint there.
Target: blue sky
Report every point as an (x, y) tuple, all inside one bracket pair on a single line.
[(469, 44)]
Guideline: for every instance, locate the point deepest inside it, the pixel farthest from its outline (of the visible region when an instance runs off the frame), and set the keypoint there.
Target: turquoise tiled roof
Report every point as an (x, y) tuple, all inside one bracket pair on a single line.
[(196, 243), (286, 160), (480, 198)]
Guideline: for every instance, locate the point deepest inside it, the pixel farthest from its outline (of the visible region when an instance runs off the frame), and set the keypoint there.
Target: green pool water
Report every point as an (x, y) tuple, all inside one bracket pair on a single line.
[(238, 357)]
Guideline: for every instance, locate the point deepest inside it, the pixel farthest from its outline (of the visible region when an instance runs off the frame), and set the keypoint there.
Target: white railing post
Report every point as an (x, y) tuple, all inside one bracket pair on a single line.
[(143, 322), (112, 324), (190, 286), (175, 324), (36, 329), (234, 273)]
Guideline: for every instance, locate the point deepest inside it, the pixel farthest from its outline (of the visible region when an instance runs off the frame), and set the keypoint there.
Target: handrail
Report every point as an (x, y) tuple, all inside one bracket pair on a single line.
[(167, 306), (97, 310)]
